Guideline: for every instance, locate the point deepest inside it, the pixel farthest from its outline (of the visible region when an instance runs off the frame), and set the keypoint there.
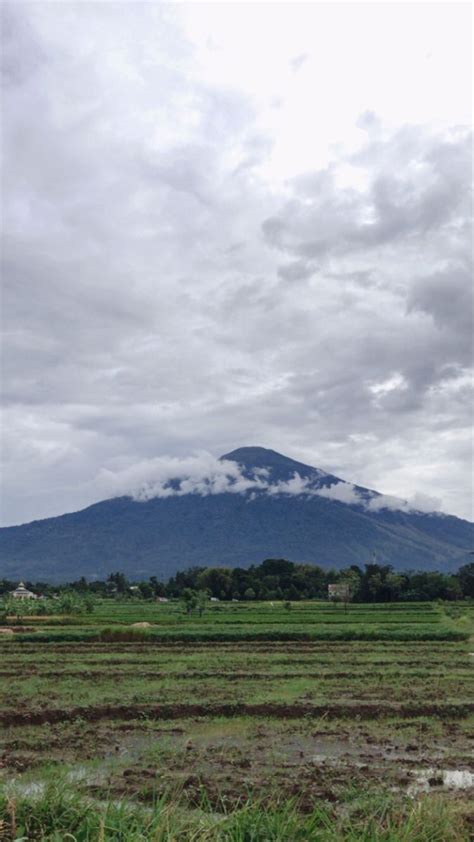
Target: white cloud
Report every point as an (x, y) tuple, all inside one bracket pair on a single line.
[(420, 502), (417, 503), (295, 486), (201, 474), (343, 492)]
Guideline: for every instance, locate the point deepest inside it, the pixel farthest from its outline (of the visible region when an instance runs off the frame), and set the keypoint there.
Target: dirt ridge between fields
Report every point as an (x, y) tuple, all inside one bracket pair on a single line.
[(103, 672), (159, 645), (373, 710)]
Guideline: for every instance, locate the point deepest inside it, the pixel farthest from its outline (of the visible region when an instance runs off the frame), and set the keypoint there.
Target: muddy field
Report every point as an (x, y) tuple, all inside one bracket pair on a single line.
[(212, 727)]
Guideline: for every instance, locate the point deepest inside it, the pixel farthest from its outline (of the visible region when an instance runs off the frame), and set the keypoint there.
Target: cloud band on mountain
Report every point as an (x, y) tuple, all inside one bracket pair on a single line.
[(203, 474)]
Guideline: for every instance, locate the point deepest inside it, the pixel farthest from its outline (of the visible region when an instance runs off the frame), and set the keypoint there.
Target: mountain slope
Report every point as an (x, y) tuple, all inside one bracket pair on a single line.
[(165, 534)]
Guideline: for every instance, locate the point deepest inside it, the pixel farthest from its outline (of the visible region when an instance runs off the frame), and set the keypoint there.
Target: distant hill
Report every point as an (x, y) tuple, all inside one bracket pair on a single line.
[(165, 534)]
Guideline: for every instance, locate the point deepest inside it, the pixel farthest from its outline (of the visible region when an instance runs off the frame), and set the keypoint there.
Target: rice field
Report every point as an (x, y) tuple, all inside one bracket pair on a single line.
[(252, 722)]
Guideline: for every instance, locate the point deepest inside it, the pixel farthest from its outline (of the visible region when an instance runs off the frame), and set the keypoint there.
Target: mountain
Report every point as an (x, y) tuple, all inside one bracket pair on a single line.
[(285, 510)]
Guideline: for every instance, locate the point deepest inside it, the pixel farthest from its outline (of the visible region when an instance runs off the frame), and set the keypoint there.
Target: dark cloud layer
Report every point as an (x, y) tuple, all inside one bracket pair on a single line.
[(161, 296)]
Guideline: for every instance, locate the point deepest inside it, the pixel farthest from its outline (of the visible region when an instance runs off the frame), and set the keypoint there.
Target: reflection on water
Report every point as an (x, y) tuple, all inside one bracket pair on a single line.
[(449, 778), (29, 788)]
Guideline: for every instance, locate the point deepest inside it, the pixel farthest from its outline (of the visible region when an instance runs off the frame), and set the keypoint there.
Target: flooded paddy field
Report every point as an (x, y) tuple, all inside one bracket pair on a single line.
[(240, 739)]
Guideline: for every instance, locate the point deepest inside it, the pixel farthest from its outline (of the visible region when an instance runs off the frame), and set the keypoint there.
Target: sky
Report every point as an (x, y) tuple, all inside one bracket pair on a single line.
[(234, 224)]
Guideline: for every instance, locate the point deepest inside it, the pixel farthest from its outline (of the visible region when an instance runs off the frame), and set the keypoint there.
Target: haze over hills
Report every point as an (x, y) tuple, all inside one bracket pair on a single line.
[(257, 504)]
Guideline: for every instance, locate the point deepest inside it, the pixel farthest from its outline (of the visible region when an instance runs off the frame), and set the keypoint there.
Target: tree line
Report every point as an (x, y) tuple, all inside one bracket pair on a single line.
[(273, 579)]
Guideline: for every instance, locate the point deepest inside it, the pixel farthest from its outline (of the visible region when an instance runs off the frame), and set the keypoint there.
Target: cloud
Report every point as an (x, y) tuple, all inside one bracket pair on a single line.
[(345, 492), (169, 285), (298, 61), (417, 503), (296, 271), (420, 502), (297, 485), (342, 492), (203, 475), (446, 296), (410, 184)]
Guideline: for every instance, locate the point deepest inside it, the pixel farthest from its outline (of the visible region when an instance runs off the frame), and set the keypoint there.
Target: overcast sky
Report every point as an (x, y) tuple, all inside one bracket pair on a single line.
[(236, 224)]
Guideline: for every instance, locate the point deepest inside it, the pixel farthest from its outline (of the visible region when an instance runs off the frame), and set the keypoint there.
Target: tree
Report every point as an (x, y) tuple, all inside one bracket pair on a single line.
[(190, 599), (394, 584), (69, 603), (311, 580), (349, 582), (216, 580), (89, 604), (146, 590), (119, 582), (195, 600), (375, 586), (249, 593), (453, 588), (201, 601), (292, 593), (158, 587), (276, 567), (466, 579), (81, 585), (18, 607)]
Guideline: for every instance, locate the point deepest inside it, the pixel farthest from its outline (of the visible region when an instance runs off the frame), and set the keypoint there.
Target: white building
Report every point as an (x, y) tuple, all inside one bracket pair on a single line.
[(340, 590), (23, 593)]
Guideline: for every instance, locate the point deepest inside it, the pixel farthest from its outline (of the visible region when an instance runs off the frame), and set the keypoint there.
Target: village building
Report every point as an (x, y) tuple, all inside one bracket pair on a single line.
[(340, 590), (23, 593)]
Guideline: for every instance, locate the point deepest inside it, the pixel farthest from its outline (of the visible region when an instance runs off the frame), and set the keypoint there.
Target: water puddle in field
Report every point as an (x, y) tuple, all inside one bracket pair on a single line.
[(77, 774), (315, 751), (27, 789), (134, 746), (426, 779), (80, 773), (326, 750)]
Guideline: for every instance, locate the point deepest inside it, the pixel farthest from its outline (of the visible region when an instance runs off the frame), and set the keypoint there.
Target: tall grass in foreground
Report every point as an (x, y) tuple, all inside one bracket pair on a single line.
[(58, 815)]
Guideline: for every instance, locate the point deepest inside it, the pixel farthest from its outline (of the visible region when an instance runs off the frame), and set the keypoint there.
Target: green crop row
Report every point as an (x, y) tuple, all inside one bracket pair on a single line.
[(156, 635)]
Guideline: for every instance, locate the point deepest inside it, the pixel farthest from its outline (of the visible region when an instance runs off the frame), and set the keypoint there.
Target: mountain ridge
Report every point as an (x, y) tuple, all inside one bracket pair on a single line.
[(160, 535)]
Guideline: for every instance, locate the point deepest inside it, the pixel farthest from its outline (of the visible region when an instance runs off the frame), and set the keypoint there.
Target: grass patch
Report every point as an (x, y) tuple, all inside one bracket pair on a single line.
[(57, 814), (209, 634)]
